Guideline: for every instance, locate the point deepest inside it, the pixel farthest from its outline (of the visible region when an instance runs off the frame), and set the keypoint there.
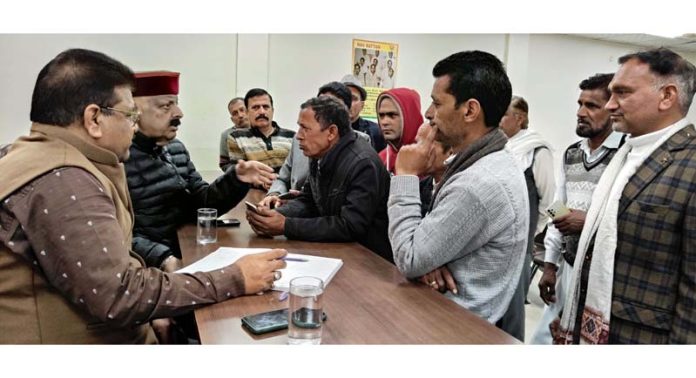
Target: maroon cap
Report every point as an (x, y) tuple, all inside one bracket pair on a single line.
[(156, 83)]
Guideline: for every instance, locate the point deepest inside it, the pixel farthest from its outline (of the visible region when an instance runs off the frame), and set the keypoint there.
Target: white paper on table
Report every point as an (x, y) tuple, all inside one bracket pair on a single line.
[(321, 267)]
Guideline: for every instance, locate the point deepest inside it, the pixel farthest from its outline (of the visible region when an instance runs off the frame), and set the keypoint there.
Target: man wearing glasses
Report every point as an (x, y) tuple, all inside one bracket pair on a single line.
[(66, 271)]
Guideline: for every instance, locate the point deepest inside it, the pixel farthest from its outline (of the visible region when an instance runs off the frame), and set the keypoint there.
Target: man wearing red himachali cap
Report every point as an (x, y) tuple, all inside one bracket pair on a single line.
[(163, 182), (165, 187)]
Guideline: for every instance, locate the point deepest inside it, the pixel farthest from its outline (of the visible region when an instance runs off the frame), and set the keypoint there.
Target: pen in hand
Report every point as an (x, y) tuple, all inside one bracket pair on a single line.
[(295, 259)]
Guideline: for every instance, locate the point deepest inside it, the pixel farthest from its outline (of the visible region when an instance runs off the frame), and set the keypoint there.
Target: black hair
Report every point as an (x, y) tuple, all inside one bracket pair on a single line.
[(73, 80), (339, 90), (598, 81), (256, 92), (481, 76), (329, 111)]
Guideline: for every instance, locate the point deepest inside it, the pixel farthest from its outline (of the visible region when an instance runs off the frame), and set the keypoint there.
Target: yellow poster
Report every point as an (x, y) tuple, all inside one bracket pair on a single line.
[(375, 65)]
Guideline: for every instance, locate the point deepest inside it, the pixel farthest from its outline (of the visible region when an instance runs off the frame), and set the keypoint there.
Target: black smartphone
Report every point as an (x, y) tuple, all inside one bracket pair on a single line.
[(228, 222), (276, 320)]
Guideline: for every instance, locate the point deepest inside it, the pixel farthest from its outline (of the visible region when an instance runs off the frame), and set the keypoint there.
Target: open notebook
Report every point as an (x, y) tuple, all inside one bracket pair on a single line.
[(321, 267)]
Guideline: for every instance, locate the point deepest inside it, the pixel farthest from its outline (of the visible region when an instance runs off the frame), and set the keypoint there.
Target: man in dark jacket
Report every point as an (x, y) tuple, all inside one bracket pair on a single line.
[(164, 185), (345, 197), (359, 95)]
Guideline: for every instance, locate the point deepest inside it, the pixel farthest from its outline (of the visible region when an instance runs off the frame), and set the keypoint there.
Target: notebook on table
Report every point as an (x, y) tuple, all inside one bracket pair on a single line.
[(298, 265)]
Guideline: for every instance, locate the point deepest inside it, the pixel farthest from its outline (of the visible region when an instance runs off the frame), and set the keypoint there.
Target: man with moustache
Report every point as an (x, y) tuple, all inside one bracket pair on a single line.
[(634, 278), (264, 141), (164, 185), (240, 120), (582, 166)]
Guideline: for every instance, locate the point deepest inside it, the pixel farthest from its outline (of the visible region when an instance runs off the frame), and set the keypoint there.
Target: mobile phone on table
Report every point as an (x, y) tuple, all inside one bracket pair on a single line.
[(228, 222), (251, 206), (272, 321)]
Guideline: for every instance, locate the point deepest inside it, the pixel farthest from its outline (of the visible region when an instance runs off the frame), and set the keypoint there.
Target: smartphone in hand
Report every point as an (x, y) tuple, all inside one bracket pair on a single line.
[(287, 196), (251, 206), (557, 209)]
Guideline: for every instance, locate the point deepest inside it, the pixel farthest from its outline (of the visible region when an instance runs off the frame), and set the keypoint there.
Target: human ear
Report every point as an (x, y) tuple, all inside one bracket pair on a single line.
[(669, 96), (471, 109), (91, 118)]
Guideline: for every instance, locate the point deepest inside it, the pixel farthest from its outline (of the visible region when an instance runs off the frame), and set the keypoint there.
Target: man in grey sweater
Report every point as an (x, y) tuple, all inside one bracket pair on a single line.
[(474, 237)]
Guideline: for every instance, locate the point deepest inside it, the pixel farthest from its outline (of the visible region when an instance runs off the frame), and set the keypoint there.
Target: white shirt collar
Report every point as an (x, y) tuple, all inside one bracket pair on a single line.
[(611, 141), (656, 137)]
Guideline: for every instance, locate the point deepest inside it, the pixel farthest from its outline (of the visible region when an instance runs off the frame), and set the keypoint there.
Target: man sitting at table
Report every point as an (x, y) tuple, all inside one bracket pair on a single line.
[(345, 197), (164, 185), (66, 270)]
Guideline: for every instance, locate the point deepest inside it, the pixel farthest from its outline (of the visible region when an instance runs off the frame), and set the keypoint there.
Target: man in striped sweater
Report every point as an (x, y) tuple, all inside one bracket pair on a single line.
[(264, 141)]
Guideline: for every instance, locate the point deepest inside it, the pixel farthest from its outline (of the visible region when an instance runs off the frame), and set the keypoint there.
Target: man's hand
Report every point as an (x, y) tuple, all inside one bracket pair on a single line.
[(266, 222), (258, 269), (440, 279), (163, 330), (572, 223), (171, 264), (555, 328), (547, 283), (416, 159), (255, 173), (270, 202)]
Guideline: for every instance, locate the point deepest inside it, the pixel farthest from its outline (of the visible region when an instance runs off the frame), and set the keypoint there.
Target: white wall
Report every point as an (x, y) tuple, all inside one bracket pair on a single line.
[(545, 69), (207, 64), (300, 64)]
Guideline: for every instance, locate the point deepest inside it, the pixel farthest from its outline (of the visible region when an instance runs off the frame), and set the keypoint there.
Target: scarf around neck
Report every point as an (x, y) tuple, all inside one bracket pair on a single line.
[(493, 141)]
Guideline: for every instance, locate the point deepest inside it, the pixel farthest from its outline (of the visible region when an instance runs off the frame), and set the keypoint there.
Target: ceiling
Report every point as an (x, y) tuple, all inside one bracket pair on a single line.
[(684, 43)]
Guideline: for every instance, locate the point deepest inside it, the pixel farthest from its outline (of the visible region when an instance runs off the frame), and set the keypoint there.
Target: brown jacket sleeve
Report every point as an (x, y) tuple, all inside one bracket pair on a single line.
[(65, 225)]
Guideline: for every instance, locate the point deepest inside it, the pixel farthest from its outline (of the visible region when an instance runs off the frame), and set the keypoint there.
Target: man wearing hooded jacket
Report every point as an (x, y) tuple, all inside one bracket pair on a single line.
[(399, 117)]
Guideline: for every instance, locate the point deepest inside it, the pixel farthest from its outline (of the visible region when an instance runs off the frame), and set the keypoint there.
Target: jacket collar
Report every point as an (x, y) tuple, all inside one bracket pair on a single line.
[(145, 143), (654, 164), (329, 160)]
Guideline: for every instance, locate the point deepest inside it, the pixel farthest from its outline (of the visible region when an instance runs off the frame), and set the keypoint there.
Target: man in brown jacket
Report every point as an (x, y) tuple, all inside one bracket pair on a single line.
[(66, 271)]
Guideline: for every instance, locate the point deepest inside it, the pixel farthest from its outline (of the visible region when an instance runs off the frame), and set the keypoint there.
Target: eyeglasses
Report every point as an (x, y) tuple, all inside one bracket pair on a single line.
[(133, 116)]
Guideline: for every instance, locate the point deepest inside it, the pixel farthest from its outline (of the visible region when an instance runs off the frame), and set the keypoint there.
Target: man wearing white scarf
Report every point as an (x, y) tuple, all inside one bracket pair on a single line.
[(534, 156), (581, 167), (634, 278)]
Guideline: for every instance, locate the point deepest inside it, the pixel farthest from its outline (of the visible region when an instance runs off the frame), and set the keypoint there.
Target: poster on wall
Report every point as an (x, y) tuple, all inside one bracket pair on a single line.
[(375, 65)]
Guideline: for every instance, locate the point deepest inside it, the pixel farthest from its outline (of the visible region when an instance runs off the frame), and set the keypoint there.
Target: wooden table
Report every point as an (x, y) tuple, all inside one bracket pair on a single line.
[(367, 302)]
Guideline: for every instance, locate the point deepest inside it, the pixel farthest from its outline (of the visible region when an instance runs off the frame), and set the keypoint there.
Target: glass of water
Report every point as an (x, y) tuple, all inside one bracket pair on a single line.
[(207, 226), (305, 310)]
